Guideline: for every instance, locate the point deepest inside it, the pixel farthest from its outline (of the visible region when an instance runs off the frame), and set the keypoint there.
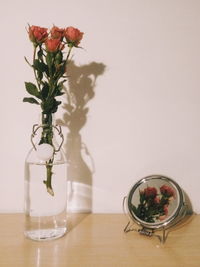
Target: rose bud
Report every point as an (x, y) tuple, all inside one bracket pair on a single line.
[(57, 33), (37, 34), (73, 36), (53, 45)]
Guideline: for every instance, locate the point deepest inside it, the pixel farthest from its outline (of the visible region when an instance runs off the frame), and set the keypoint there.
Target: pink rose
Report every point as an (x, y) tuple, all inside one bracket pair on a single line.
[(57, 33), (167, 191), (150, 192), (53, 45), (156, 200), (165, 209), (73, 35), (37, 34)]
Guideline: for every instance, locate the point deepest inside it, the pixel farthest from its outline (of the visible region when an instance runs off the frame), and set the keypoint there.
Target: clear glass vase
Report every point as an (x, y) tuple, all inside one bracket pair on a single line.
[(45, 185)]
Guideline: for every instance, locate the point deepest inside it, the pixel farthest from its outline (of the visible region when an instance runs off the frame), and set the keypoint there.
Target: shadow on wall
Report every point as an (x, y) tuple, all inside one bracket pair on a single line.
[(81, 85)]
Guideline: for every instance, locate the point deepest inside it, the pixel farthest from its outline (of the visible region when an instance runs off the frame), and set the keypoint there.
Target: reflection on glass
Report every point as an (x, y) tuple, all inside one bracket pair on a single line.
[(154, 201)]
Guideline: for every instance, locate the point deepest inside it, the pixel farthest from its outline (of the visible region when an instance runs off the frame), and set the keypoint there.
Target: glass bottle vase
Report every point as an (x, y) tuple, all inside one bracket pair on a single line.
[(45, 185)]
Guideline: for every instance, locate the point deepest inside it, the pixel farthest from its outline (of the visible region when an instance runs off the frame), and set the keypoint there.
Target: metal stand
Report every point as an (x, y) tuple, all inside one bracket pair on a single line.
[(144, 231), (147, 232)]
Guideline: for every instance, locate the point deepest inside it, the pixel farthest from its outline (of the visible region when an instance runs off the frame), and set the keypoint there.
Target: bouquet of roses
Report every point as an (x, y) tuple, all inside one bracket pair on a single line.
[(51, 51), (154, 206)]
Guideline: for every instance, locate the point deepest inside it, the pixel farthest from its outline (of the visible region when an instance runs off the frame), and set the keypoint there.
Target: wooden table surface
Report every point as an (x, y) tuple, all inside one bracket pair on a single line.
[(98, 240)]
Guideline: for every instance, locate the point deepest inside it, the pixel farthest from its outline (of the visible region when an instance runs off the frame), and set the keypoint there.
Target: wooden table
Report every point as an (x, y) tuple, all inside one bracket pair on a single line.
[(98, 240)]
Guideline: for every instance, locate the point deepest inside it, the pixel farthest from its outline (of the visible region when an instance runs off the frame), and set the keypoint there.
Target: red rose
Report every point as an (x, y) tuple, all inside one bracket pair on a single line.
[(150, 192), (57, 33), (73, 35), (53, 45), (37, 34), (167, 191)]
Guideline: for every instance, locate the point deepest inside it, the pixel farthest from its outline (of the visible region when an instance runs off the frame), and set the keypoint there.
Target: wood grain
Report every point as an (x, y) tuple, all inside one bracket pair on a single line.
[(98, 240)]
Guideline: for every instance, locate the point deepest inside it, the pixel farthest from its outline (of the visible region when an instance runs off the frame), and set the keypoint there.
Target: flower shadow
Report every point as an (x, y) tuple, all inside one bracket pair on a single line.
[(80, 90)]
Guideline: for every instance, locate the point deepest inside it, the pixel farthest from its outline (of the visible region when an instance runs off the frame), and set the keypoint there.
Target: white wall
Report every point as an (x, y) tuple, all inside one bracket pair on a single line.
[(144, 118)]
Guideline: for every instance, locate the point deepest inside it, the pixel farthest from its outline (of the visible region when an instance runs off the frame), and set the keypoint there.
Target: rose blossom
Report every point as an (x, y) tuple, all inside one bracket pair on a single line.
[(167, 191), (156, 200), (165, 209), (150, 192), (37, 34), (73, 35), (52, 45), (56, 33)]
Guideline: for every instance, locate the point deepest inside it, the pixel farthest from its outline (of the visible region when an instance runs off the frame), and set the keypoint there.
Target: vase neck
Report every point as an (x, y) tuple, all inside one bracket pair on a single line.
[(46, 119)]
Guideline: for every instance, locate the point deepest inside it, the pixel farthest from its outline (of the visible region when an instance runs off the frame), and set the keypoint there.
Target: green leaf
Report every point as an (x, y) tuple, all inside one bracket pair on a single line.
[(60, 85), (58, 57), (40, 66), (62, 69), (50, 105), (58, 93), (30, 100), (45, 90), (47, 105), (133, 208), (59, 88), (32, 89), (56, 104), (40, 53), (53, 69), (40, 75)]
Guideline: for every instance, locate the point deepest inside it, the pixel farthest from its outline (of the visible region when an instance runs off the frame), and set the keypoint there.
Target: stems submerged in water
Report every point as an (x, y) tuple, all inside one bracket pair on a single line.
[(47, 138), (49, 179)]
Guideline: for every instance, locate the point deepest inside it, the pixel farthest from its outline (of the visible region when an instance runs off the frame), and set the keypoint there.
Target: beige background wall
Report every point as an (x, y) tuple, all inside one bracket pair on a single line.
[(144, 117)]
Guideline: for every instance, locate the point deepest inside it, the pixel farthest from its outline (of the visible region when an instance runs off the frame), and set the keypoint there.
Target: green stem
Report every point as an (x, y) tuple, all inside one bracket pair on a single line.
[(47, 131), (50, 78), (70, 49), (49, 178), (34, 54), (47, 138), (67, 58)]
